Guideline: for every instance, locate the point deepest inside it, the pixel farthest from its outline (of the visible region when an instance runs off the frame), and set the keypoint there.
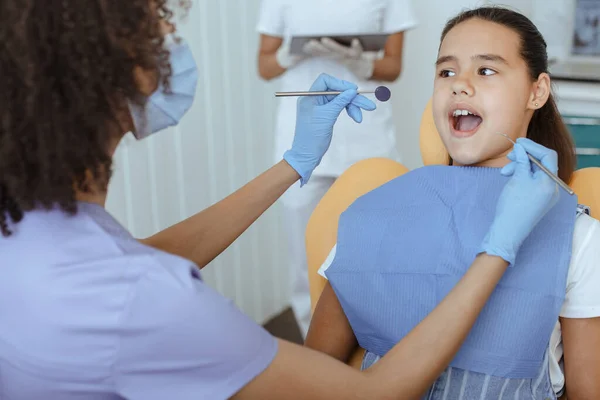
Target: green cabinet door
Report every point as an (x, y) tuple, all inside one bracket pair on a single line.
[(586, 134)]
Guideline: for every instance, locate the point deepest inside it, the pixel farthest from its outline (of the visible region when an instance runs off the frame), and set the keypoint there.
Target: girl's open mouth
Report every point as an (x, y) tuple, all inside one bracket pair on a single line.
[(464, 123)]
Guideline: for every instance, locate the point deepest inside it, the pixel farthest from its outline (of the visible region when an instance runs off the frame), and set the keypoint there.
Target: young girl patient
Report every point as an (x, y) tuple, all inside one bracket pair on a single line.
[(403, 246)]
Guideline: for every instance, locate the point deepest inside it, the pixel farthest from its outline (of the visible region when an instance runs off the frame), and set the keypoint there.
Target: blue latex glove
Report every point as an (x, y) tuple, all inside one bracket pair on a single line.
[(527, 197), (315, 118)]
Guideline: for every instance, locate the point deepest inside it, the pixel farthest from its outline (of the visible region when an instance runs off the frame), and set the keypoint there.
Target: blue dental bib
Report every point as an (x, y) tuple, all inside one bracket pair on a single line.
[(402, 247)]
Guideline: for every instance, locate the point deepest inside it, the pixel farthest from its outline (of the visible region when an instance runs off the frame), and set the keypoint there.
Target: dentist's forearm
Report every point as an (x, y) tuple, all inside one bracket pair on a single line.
[(427, 350), (203, 236), (404, 373)]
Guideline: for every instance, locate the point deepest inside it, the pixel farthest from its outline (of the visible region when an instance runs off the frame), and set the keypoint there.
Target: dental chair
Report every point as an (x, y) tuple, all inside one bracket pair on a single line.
[(366, 175)]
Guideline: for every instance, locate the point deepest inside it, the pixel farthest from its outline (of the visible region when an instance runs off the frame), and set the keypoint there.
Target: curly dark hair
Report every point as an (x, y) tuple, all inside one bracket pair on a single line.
[(66, 74)]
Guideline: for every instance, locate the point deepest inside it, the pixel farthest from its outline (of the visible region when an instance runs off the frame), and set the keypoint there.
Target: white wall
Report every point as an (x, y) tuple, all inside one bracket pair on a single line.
[(555, 18), (226, 140), (223, 142), (523, 6)]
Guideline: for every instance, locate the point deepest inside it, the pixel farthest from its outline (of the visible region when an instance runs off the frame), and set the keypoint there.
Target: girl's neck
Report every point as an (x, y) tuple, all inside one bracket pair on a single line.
[(496, 162)]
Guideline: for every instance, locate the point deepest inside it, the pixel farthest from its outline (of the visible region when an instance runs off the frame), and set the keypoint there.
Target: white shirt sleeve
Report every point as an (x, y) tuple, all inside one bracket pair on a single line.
[(583, 282), (399, 16), (271, 18), (327, 262)]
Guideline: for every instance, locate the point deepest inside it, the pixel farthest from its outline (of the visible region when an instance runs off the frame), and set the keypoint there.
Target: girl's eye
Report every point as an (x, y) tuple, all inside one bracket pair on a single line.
[(445, 73), (486, 71)]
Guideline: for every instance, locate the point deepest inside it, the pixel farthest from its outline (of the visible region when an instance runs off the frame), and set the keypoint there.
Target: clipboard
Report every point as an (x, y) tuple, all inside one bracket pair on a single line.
[(369, 42)]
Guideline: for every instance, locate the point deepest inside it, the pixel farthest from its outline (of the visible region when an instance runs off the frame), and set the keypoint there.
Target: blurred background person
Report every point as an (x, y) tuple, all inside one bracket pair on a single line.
[(279, 21)]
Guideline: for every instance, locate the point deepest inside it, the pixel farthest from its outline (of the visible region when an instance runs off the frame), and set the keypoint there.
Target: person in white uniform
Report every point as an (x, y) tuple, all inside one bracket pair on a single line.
[(279, 21)]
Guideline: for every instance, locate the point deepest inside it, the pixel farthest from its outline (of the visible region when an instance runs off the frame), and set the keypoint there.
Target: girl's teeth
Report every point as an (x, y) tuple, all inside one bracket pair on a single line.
[(461, 112)]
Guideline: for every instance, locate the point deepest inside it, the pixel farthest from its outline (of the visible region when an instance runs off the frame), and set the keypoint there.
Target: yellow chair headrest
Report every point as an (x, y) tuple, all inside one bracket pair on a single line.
[(585, 183)]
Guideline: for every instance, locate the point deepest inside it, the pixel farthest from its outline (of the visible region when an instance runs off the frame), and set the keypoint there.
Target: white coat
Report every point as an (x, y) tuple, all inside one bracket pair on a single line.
[(352, 142), (375, 136)]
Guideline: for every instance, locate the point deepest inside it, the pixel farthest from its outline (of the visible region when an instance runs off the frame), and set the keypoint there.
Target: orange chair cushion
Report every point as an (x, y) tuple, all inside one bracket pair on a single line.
[(586, 184), (321, 231)]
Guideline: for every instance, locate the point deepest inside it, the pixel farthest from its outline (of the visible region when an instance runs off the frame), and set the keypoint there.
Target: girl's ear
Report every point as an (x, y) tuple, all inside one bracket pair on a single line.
[(540, 92)]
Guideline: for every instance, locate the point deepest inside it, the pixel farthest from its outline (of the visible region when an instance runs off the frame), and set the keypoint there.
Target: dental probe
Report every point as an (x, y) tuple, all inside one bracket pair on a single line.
[(546, 170)]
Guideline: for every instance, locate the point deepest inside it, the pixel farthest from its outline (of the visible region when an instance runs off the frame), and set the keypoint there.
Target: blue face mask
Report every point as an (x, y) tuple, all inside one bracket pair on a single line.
[(167, 109)]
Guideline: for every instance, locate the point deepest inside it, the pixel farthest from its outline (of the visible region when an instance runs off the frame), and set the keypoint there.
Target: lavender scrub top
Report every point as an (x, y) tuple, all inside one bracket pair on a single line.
[(88, 312)]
